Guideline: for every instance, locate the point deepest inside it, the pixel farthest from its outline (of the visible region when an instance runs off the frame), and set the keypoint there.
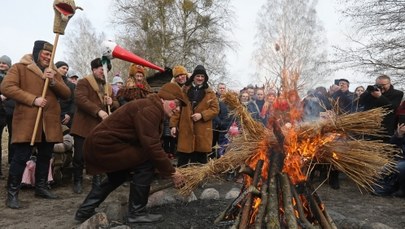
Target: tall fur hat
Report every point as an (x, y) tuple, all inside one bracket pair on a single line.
[(134, 68), (171, 91), (179, 70), (96, 63), (40, 45)]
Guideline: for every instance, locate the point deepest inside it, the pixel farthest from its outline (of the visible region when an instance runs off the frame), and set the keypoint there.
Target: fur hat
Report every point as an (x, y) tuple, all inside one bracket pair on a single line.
[(6, 59), (171, 91), (134, 68), (38, 46), (179, 70), (96, 63), (60, 64)]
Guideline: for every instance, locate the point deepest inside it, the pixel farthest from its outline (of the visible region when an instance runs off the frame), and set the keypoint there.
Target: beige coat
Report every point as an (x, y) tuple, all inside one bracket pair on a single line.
[(23, 83), (196, 136)]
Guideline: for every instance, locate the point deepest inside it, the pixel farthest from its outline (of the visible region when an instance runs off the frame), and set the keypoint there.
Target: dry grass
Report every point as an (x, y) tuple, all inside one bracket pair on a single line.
[(333, 140)]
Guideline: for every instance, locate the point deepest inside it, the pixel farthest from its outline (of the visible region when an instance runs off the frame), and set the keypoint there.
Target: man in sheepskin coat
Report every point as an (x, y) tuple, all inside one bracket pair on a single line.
[(24, 83), (129, 141)]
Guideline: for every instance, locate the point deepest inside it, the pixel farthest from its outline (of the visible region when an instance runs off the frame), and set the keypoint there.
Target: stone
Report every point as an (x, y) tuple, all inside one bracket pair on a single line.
[(209, 194), (98, 220), (232, 194)]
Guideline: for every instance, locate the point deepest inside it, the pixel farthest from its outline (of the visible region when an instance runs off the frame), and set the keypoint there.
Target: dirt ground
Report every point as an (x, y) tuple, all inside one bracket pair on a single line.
[(40, 213)]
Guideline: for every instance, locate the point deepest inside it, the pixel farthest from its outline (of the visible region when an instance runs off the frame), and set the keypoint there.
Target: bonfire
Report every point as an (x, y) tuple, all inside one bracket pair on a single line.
[(276, 162)]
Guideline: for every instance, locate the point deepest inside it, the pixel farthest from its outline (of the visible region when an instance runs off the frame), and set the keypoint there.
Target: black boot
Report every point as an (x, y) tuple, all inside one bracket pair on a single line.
[(41, 185), (96, 181), (96, 196), (138, 198), (334, 179), (78, 181), (12, 192)]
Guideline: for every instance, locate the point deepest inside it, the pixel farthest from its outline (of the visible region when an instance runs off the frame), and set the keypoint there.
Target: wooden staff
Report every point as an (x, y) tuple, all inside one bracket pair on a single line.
[(105, 62), (64, 10)]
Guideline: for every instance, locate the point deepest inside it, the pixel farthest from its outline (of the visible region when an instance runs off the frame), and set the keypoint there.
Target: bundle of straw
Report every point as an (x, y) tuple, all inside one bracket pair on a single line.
[(360, 123), (363, 161)]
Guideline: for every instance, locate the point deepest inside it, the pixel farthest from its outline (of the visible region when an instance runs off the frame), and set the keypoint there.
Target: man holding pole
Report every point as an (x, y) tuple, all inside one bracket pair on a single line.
[(91, 101), (24, 84)]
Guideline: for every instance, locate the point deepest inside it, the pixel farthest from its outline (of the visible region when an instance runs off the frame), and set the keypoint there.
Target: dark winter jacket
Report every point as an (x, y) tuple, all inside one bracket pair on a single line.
[(345, 100), (67, 106), (128, 137), (389, 99)]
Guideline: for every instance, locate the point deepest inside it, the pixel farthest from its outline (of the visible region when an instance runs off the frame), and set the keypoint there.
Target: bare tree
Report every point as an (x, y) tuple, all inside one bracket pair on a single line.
[(170, 32), (290, 44), (82, 45), (377, 43)]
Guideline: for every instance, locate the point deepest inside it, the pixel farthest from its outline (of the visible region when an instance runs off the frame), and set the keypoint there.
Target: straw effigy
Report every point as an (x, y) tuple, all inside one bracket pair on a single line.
[(331, 141)]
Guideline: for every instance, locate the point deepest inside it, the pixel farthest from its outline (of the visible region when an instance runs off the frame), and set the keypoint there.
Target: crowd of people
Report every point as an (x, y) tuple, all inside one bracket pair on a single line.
[(125, 131)]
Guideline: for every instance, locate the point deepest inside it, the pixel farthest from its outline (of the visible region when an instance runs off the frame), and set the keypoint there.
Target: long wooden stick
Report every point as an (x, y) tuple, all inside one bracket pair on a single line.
[(245, 217), (289, 214), (105, 70), (44, 90)]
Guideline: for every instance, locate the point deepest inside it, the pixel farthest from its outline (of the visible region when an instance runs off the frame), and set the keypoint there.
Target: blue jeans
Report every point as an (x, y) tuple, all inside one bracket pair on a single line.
[(393, 182)]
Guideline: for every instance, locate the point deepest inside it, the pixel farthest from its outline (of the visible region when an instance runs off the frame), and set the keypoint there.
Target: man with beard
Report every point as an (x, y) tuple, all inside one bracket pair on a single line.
[(24, 83), (91, 102)]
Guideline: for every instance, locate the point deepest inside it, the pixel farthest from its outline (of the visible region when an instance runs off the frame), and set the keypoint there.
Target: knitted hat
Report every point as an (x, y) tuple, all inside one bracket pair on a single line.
[(117, 79), (198, 70), (96, 63), (179, 70), (134, 68), (73, 75), (38, 46), (60, 64), (171, 91), (5, 59)]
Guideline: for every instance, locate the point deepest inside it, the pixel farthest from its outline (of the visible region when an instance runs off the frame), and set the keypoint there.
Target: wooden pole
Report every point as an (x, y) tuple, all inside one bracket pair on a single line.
[(44, 90), (300, 209), (289, 214), (245, 219), (105, 70)]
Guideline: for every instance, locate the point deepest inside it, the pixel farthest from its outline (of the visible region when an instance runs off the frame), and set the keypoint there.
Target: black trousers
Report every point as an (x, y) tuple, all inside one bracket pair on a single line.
[(194, 157), (78, 159), (23, 152)]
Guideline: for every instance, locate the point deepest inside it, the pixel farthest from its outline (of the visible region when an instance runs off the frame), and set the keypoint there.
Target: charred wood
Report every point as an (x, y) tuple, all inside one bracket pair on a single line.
[(303, 219), (263, 205), (319, 202), (245, 218), (276, 164), (245, 169), (317, 212)]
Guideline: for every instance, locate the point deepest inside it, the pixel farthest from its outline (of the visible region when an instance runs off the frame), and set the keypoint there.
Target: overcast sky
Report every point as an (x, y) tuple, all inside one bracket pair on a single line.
[(25, 21)]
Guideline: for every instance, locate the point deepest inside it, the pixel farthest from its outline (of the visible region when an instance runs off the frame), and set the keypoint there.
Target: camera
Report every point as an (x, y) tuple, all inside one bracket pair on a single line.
[(375, 87)]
